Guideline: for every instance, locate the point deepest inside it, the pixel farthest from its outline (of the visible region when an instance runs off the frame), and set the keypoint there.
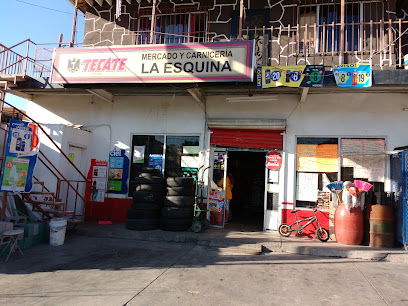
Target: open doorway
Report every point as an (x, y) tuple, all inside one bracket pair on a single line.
[(247, 204)]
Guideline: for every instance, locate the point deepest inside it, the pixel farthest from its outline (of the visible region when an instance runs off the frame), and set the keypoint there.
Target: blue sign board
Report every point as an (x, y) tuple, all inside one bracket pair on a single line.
[(20, 157), (156, 161), (353, 75), (118, 171)]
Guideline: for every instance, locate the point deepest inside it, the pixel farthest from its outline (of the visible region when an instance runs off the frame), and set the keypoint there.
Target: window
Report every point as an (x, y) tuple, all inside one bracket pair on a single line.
[(327, 16), (317, 166), (253, 19), (181, 154), (182, 25), (319, 160), (173, 155), (330, 13)]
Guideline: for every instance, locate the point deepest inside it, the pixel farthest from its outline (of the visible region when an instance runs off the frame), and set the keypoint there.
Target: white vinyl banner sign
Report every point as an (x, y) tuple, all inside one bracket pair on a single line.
[(205, 62)]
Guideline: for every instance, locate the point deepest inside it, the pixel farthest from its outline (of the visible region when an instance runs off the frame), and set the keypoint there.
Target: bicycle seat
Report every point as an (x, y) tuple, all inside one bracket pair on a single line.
[(294, 211)]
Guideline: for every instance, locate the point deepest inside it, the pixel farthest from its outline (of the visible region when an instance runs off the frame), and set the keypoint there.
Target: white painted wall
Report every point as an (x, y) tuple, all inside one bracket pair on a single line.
[(63, 136), (113, 124), (336, 114)]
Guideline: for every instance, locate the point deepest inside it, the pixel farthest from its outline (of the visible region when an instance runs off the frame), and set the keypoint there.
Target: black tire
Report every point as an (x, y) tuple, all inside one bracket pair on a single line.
[(205, 223), (134, 213), (196, 227), (148, 197), (285, 230), (177, 213), (180, 191), (150, 176), (151, 171), (322, 234), (175, 225), (146, 206), (180, 182), (178, 201), (132, 186), (150, 181), (150, 187), (142, 224)]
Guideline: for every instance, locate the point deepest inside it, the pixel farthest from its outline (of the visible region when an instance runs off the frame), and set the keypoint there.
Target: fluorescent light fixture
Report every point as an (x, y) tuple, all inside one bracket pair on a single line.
[(251, 99)]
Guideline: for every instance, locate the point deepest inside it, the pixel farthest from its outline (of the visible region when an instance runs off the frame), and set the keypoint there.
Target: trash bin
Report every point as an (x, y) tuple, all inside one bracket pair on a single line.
[(58, 227)]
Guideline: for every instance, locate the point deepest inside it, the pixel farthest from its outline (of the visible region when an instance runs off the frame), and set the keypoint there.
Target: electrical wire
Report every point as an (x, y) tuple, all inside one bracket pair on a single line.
[(44, 7)]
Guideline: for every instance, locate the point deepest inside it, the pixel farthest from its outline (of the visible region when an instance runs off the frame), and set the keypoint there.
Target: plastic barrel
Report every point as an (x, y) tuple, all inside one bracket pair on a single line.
[(58, 228), (348, 226), (381, 226), (366, 214)]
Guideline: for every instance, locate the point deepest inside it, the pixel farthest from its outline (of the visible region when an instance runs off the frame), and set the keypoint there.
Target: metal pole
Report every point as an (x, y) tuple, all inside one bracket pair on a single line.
[(153, 23), (26, 59), (60, 40), (241, 17), (74, 24)]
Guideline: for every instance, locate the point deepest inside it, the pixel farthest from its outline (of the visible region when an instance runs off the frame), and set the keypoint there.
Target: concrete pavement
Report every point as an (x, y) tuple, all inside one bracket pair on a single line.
[(122, 271), (237, 235)]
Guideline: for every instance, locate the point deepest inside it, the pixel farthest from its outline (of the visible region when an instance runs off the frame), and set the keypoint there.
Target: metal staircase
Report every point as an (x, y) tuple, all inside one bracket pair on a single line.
[(15, 68)]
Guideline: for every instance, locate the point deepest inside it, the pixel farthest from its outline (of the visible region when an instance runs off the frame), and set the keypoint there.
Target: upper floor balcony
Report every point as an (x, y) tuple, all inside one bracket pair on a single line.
[(287, 32)]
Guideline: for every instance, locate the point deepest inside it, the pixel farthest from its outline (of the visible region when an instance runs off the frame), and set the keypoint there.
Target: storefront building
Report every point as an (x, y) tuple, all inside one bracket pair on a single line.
[(189, 103)]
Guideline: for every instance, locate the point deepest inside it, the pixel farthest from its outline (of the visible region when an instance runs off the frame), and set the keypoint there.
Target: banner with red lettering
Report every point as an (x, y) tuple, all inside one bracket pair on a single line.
[(187, 63)]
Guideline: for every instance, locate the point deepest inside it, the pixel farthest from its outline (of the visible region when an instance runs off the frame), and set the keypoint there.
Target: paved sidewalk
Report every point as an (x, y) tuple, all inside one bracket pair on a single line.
[(236, 235)]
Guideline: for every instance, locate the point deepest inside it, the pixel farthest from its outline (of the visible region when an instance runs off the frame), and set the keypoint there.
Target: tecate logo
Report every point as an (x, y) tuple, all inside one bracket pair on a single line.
[(97, 65)]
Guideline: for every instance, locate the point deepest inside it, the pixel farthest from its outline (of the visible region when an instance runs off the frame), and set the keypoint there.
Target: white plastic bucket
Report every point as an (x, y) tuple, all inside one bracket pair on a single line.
[(406, 62), (58, 227)]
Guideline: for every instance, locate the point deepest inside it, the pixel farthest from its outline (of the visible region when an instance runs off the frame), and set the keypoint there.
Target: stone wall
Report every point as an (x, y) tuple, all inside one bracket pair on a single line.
[(103, 29)]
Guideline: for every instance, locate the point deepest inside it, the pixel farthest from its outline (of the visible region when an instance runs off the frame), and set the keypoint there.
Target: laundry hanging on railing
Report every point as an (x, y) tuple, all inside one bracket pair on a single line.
[(118, 8)]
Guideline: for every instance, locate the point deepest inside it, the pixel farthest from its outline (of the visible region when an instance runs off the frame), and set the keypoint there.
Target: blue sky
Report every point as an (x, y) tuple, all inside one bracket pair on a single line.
[(42, 21)]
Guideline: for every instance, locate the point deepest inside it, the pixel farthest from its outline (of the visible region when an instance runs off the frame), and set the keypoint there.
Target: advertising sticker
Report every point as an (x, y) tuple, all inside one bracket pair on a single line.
[(290, 76), (20, 157), (118, 171), (353, 75), (274, 161)]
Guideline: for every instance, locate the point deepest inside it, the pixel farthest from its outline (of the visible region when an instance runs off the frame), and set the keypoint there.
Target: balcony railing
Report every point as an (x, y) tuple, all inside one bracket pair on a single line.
[(183, 25), (28, 58), (379, 42)]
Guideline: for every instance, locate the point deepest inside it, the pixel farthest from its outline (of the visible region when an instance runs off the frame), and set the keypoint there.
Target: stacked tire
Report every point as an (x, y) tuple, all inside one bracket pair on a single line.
[(178, 211), (148, 197)]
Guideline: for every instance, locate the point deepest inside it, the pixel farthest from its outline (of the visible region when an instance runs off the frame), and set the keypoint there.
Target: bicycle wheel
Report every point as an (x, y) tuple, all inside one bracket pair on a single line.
[(285, 230), (322, 234)]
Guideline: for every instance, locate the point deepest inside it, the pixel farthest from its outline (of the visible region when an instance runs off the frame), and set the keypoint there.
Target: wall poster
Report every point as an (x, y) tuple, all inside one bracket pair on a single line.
[(97, 177), (156, 161), (21, 150), (366, 157), (317, 158), (290, 76), (118, 171), (138, 154), (353, 75), (307, 186)]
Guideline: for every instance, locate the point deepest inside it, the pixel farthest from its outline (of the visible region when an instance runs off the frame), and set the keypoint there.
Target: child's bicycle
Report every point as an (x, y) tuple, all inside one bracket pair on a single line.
[(321, 233)]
